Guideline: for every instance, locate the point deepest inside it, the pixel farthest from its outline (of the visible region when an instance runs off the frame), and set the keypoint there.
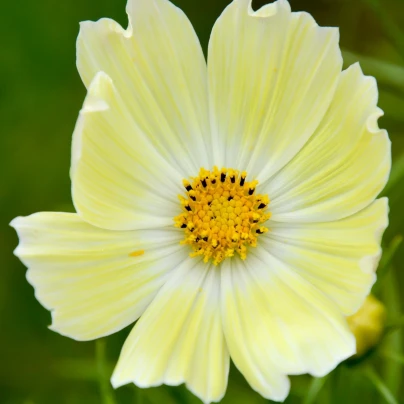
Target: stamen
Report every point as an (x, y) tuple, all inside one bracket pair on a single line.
[(221, 214), (187, 185)]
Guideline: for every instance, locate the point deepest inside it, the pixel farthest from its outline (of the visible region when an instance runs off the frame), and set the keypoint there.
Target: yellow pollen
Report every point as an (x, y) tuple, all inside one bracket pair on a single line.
[(136, 253), (222, 215)]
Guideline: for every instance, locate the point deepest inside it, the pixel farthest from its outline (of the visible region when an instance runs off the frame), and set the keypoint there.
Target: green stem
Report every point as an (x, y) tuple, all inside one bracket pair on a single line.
[(107, 396), (380, 386), (386, 73), (138, 395), (314, 389)]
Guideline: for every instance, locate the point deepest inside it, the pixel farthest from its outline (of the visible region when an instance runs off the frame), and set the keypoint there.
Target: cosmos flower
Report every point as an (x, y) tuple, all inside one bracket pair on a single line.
[(229, 205)]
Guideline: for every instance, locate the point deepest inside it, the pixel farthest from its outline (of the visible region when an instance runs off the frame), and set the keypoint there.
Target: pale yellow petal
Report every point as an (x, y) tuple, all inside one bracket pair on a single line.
[(345, 164), (94, 281), (159, 69), (179, 339), (277, 324), (119, 180), (339, 258), (272, 75)]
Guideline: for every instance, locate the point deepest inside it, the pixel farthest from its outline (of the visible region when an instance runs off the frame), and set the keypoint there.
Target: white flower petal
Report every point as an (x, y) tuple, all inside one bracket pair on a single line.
[(340, 258), (276, 323), (180, 338), (272, 75), (119, 181), (95, 281), (158, 67), (345, 164)]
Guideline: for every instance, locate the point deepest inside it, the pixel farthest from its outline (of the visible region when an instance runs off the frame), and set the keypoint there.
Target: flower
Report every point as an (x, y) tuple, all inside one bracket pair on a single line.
[(367, 324), (277, 159)]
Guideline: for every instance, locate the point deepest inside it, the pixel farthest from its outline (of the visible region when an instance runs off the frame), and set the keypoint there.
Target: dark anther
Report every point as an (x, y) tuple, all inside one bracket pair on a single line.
[(209, 203), (192, 229), (223, 177), (188, 208), (233, 179), (188, 188), (262, 206), (197, 239), (229, 198), (259, 231), (213, 181), (251, 191), (242, 181), (183, 226), (205, 239), (193, 198), (204, 183), (255, 221)]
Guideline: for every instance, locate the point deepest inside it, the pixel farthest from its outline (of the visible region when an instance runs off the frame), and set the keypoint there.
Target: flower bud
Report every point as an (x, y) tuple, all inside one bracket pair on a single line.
[(367, 325)]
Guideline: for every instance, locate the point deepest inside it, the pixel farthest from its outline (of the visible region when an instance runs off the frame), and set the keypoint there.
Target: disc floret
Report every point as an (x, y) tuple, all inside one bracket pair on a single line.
[(222, 214)]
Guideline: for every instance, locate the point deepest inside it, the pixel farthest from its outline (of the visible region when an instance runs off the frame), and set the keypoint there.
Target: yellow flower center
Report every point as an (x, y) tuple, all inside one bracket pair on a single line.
[(222, 214)]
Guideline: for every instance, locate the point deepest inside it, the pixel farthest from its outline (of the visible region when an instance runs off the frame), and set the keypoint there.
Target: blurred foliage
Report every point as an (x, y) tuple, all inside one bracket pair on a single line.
[(40, 95)]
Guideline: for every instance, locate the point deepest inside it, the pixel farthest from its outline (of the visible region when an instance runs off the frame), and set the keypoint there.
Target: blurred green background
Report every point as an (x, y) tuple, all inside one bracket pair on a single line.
[(40, 96)]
